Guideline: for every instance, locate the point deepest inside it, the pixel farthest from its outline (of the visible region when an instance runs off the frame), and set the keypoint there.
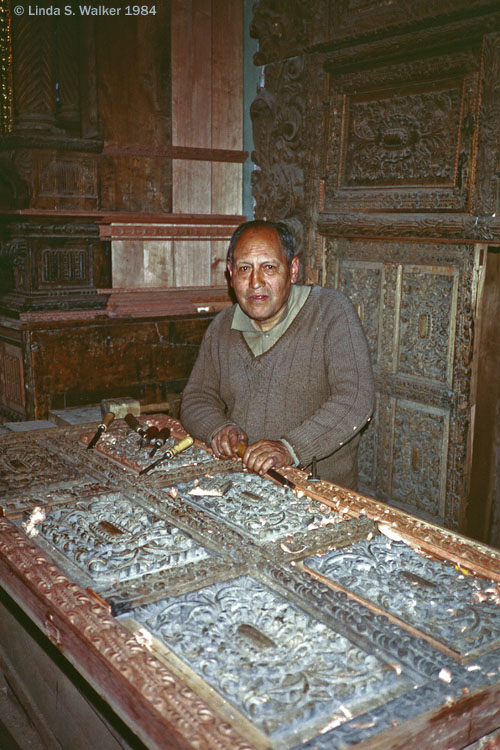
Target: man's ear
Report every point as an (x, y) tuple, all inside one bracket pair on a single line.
[(229, 269), (294, 269)]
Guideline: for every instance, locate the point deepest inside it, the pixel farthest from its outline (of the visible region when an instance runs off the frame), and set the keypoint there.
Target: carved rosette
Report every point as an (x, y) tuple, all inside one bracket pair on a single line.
[(278, 115)]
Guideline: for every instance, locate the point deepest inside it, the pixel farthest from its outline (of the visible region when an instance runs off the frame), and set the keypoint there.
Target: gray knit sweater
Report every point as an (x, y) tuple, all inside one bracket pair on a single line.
[(314, 387)]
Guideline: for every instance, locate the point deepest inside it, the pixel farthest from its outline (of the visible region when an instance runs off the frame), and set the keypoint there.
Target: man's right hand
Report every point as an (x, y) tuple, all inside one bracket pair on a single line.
[(226, 440)]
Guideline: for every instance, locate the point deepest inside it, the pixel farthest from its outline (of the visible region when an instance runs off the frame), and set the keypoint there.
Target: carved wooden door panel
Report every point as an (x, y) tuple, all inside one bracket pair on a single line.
[(417, 317)]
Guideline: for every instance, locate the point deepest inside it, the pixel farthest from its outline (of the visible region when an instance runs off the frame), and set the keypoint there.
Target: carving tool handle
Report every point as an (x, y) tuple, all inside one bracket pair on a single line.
[(107, 420), (160, 440), (240, 451), (148, 436), (133, 423), (182, 445), (102, 428), (151, 433)]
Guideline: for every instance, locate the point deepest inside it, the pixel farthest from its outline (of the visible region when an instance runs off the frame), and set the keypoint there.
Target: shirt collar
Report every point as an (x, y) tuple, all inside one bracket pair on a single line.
[(296, 298)]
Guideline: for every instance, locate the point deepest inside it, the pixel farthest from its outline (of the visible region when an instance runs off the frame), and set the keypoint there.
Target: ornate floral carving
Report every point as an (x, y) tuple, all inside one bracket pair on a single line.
[(426, 323), (245, 599), (112, 655), (401, 139), (278, 122), (280, 667), (405, 139), (457, 610)]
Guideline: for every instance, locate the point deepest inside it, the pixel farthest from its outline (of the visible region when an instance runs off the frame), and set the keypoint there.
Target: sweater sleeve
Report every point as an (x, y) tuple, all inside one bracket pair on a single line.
[(203, 411), (350, 403)]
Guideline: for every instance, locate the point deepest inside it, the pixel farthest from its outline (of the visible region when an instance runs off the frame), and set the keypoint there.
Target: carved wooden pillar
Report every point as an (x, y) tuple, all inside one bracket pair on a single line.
[(34, 80)]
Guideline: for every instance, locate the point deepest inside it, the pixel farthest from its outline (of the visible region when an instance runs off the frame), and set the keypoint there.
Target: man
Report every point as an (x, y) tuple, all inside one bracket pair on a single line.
[(286, 370)]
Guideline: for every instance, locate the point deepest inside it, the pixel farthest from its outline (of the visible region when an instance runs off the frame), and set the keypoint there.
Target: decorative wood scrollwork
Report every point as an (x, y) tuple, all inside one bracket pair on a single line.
[(283, 27), (278, 120)]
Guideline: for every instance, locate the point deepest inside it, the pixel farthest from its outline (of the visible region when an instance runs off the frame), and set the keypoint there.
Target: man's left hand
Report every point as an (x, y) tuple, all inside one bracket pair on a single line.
[(266, 454)]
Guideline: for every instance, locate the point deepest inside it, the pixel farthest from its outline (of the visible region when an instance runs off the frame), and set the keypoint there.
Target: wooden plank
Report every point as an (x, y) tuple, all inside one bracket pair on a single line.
[(227, 74), (227, 105), (175, 152), (158, 263), (191, 190), (192, 263), (218, 252), (227, 188), (127, 263)]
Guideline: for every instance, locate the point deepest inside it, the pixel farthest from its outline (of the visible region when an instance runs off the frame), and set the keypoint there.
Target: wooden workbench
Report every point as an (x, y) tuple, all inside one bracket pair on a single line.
[(211, 608)]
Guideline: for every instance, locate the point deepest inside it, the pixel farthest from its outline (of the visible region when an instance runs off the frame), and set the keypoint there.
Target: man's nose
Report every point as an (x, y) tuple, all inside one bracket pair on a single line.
[(256, 278)]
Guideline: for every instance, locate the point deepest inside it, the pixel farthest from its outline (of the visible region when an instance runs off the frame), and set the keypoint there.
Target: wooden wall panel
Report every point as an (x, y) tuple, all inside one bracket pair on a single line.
[(192, 263), (227, 74), (142, 263), (226, 188), (218, 263), (406, 135), (133, 84)]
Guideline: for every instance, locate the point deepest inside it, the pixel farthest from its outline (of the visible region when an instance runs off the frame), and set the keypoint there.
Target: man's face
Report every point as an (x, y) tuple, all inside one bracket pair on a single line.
[(261, 277)]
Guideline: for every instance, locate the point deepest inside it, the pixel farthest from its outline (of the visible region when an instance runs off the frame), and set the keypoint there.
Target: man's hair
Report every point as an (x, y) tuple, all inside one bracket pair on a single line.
[(287, 242)]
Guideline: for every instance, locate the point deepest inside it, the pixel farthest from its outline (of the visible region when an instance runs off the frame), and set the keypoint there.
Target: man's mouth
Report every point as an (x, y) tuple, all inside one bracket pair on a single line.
[(258, 297)]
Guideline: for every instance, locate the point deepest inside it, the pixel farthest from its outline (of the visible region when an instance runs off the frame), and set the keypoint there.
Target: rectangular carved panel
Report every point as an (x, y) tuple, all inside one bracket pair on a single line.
[(401, 137), (61, 264), (414, 303), (426, 323), (420, 449), (283, 670), (109, 538), (455, 611), (363, 284), (68, 181)]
